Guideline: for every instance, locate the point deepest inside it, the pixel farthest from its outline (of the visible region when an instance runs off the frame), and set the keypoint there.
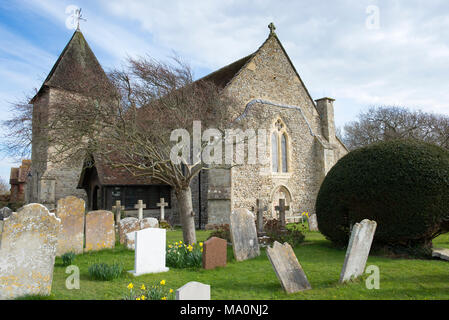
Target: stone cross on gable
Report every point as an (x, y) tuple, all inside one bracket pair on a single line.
[(162, 204), (282, 208), (271, 27), (117, 210), (140, 206), (260, 210)]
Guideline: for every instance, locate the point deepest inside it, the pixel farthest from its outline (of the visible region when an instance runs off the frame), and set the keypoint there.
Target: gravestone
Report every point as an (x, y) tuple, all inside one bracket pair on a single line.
[(162, 204), (282, 208), (313, 223), (117, 209), (144, 224), (71, 212), (5, 212), (127, 225), (140, 206), (100, 230), (260, 210), (244, 238), (441, 253), (287, 268), (214, 253), (28, 250), (149, 254), (193, 291), (358, 250)]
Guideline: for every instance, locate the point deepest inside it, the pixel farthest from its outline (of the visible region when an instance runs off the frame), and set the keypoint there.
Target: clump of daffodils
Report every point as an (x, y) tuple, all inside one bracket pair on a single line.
[(181, 255), (155, 291)]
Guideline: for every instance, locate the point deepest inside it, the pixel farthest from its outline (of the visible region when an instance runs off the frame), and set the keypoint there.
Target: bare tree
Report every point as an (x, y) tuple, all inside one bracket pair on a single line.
[(130, 125), (16, 142), (4, 187), (391, 122)]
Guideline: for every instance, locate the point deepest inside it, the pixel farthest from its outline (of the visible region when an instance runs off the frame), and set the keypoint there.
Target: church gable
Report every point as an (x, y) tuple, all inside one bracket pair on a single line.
[(270, 75)]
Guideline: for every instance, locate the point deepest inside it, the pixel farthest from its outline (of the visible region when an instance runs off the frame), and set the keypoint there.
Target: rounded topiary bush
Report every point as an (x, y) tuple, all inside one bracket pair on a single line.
[(402, 185)]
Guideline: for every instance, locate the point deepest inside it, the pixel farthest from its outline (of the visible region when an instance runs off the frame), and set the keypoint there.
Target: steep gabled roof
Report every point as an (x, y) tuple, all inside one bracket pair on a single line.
[(77, 69), (223, 76)]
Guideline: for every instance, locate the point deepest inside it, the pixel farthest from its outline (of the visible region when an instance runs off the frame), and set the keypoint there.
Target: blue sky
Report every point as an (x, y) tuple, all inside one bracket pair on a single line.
[(337, 46)]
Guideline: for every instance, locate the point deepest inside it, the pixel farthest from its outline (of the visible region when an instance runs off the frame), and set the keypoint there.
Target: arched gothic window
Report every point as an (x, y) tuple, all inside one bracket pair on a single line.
[(279, 147)]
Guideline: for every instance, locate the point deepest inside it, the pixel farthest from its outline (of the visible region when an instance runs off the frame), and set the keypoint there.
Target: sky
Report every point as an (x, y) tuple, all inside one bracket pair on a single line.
[(361, 53)]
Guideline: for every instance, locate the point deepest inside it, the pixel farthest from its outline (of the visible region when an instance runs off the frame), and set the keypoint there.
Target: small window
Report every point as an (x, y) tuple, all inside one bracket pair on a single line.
[(274, 152), (284, 152)]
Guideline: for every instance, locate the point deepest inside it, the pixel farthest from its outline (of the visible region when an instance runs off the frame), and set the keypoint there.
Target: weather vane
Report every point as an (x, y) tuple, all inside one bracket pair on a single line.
[(77, 16)]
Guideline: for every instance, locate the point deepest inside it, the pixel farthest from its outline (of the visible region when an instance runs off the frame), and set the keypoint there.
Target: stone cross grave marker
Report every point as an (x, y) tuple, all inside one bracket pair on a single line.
[(287, 268), (28, 250), (245, 242), (140, 206), (162, 204), (260, 210), (282, 208), (100, 230), (193, 291), (214, 253), (71, 212), (358, 250), (117, 209), (149, 254)]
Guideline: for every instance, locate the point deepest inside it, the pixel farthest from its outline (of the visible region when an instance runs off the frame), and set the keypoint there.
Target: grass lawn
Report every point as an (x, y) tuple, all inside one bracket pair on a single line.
[(255, 279)]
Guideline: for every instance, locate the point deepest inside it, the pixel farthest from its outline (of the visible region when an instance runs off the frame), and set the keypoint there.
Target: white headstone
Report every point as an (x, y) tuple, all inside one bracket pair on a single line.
[(193, 291), (149, 251), (358, 250), (162, 205)]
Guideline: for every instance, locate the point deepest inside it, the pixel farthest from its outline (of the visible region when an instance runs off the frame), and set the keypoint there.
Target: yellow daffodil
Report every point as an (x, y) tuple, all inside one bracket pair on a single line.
[(138, 298), (169, 245), (142, 287), (164, 298), (201, 249), (162, 282), (180, 242), (201, 244), (142, 298), (170, 291), (190, 248), (130, 286)]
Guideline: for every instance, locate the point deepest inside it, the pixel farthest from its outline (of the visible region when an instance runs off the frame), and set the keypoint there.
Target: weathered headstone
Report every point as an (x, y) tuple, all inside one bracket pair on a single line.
[(140, 206), (100, 232), (71, 212), (260, 210), (245, 243), (28, 250), (162, 204), (143, 224), (313, 223), (117, 209), (127, 225), (149, 254), (287, 268), (5, 212), (193, 291), (214, 253), (358, 250), (282, 208), (441, 253)]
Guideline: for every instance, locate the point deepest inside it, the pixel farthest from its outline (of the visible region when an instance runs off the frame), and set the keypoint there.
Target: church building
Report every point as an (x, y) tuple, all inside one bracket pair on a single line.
[(301, 147)]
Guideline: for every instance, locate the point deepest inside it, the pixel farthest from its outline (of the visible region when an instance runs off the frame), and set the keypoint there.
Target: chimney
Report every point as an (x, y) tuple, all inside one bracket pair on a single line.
[(325, 108)]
